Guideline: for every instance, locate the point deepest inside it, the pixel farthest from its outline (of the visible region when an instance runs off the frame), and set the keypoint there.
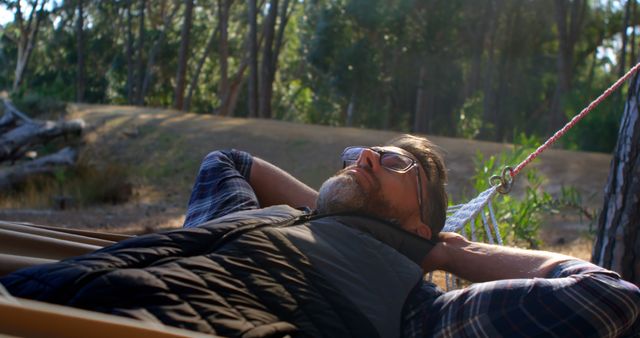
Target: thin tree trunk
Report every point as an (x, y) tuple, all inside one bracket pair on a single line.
[(223, 86), (253, 59), (130, 71), (634, 23), (420, 120), (80, 51), (488, 103), (264, 91), (139, 61), (28, 36), (183, 59), (148, 74), (623, 50), (617, 244), (477, 35), (568, 30), (502, 119), (594, 61), (196, 74)]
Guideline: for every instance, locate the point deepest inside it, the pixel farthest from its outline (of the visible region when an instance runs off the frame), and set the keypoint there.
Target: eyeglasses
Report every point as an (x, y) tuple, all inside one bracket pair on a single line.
[(391, 160)]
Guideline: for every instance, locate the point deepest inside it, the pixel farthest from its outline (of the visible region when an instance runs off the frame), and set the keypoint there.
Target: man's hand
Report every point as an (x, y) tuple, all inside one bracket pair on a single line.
[(480, 262)]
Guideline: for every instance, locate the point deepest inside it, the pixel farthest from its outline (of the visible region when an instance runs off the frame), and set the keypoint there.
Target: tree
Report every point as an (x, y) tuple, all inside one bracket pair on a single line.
[(196, 74), (252, 13), (80, 51), (617, 245), (183, 59), (570, 16), (26, 36), (155, 49), (139, 61), (223, 49), (129, 55)]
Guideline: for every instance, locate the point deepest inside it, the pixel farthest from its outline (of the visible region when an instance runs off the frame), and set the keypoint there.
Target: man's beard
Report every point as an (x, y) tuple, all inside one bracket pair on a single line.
[(343, 193)]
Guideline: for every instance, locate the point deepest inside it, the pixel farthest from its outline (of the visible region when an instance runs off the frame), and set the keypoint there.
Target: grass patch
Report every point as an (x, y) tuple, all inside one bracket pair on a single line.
[(81, 186)]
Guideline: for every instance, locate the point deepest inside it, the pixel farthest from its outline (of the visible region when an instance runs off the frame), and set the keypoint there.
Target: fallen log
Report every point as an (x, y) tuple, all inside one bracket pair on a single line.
[(14, 142), (10, 108), (7, 120), (44, 165)]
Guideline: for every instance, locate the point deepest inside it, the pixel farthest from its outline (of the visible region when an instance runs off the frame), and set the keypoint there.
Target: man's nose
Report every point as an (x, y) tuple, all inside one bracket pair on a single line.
[(369, 158)]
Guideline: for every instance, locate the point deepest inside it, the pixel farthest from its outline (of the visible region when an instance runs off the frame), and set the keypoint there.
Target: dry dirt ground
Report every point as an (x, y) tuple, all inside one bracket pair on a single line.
[(162, 150)]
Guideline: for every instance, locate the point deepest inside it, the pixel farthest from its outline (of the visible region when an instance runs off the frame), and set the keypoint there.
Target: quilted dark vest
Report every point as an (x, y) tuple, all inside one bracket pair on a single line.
[(260, 273)]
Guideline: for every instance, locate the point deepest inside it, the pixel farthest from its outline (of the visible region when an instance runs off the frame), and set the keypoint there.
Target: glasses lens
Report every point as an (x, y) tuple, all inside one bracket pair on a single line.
[(395, 162), (350, 155), (392, 161)]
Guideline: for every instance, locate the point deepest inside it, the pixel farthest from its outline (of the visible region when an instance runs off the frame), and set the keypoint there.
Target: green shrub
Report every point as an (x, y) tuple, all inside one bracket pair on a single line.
[(35, 105), (519, 217)]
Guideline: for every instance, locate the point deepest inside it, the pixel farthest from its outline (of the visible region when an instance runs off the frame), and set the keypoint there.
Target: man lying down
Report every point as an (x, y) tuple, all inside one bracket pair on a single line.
[(247, 263)]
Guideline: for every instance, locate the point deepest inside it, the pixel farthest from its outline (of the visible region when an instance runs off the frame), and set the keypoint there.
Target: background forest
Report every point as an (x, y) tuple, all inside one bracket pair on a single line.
[(482, 69)]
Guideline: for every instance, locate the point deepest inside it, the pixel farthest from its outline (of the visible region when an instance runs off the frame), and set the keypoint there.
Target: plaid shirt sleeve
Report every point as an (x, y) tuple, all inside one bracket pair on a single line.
[(221, 187), (578, 299)]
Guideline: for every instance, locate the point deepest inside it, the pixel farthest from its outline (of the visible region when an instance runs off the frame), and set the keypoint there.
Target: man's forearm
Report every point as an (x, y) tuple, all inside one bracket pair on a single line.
[(275, 186), (479, 262)]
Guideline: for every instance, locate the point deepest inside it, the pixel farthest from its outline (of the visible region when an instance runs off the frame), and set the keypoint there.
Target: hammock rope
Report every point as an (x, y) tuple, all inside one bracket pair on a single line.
[(462, 214), (575, 119)]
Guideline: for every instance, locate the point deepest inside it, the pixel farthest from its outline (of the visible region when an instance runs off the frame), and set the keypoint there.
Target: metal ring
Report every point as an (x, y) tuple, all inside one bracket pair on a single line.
[(503, 181)]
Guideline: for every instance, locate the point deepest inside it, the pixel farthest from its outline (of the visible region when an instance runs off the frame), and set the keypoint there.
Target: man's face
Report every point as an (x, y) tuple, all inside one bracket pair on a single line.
[(369, 187)]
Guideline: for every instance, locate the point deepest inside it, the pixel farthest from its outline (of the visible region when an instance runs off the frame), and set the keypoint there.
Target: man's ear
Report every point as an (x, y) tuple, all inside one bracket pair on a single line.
[(423, 231)]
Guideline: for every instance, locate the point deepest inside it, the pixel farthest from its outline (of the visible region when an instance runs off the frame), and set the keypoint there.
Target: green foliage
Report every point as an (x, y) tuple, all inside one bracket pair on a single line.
[(470, 122), (350, 62), (520, 213), (37, 105)]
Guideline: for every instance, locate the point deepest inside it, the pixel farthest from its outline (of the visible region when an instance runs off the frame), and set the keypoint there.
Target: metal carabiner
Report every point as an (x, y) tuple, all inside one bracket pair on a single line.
[(503, 181)]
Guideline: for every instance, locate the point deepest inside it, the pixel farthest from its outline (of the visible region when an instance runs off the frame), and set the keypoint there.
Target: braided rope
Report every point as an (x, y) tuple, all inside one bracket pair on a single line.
[(574, 120)]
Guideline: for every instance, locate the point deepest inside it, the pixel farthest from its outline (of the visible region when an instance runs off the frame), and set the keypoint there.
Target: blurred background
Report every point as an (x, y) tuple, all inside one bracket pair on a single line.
[(481, 69)]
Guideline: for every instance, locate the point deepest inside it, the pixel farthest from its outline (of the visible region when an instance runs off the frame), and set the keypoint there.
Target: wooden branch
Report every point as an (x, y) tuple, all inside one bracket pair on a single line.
[(14, 141), (45, 165)]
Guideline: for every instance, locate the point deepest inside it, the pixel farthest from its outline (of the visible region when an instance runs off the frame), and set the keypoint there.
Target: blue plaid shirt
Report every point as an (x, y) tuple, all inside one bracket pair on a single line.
[(578, 299)]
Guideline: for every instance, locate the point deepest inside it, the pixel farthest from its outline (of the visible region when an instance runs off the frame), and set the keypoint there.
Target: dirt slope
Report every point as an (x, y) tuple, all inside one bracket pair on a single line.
[(163, 148)]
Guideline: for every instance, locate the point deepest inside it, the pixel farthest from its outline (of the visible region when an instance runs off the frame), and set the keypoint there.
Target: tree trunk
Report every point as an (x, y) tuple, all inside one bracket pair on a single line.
[(264, 90), (44, 165), (253, 59), (569, 28), (151, 60), (617, 245), (477, 36), (183, 59), (130, 71), (501, 118), (488, 101), (80, 51), (420, 119), (139, 61), (634, 22), (623, 50), (13, 143), (27, 39), (196, 74), (223, 49)]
